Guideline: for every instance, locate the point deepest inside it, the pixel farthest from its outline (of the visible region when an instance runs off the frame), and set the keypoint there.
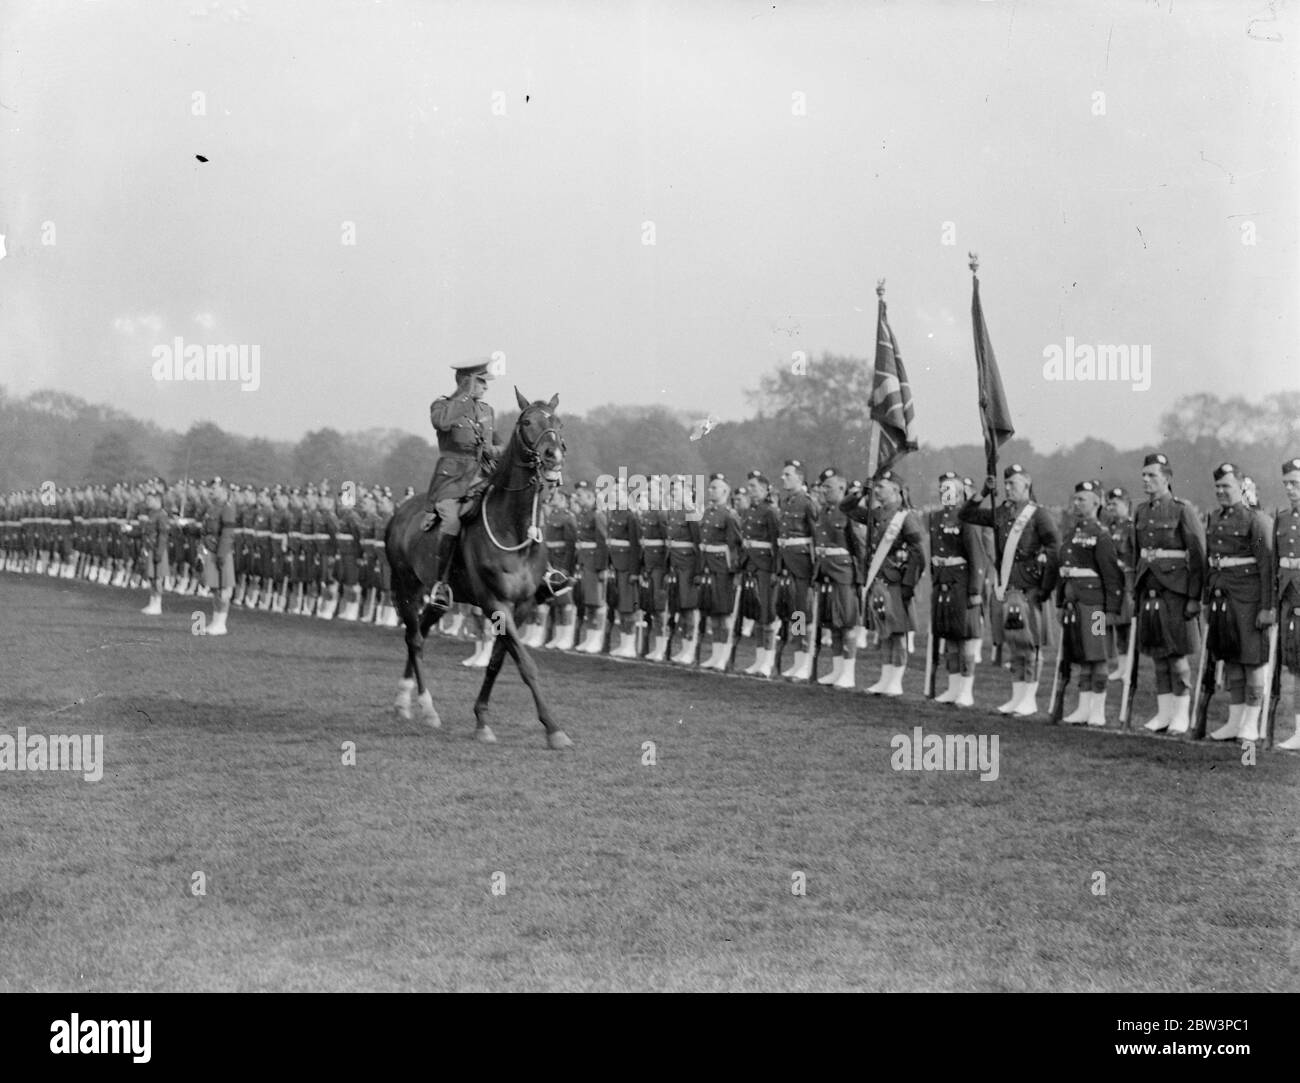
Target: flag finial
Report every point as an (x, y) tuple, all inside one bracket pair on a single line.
[(974, 261), (880, 287)]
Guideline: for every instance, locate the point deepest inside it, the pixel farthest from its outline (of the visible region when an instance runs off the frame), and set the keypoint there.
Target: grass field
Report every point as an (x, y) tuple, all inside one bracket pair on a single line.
[(225, 756)]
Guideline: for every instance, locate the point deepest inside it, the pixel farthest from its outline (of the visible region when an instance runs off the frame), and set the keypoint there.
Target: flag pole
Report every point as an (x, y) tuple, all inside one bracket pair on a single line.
[(990, 442), (873, 463)]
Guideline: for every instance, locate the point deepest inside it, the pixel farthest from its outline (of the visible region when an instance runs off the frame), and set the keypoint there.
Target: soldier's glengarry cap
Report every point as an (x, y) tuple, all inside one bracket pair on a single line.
[(1088, 487), (719, 476), (759, 476), (1156, 458), (1291, 466), (795, 463), (827, 474), (1012, 470), (1117, 493), (582, 485), (1224, 469), (892, 475)]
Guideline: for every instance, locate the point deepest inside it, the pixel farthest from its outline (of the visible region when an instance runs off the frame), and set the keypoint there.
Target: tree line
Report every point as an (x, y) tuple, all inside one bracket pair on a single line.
[(821, 419)]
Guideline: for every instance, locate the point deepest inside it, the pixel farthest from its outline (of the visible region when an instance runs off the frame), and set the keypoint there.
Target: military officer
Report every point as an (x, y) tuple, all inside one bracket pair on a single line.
[(958, 572), (1119, 524), (798, 518), (652, 532), (896, 550), (720, 544), (682, 532), (155, 532), (593, 567), (623, 541), (350, 532), (1286, 549), (1089, 596), (837, 573), (1240, 594), (217, 536), (561, 533), (467, 449), (1168, 581), (760, 529), (1029, 543)]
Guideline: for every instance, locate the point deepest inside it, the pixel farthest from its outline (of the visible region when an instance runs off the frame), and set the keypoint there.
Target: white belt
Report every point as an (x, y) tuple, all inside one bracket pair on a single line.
[(681, 544), (831, 551), (1069, 572), (556, 544), (1163, 554), (715, 548), (619, 543), (1231, 562), (1292, 563), (317, 537), (795, 541), (261, 533), (279, 537), (585, 545), (751, 543), (652, 543), (948, 562)]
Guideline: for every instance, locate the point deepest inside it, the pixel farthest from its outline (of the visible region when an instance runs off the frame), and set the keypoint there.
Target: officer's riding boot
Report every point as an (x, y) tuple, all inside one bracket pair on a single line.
[(441, 592), (430, 519)]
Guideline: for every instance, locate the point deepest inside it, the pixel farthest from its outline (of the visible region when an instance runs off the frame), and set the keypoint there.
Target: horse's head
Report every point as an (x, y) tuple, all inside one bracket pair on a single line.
[(538, 435)]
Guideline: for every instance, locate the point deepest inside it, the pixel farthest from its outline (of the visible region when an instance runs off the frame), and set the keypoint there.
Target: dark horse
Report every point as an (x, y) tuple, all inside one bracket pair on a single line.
[(500, 565)]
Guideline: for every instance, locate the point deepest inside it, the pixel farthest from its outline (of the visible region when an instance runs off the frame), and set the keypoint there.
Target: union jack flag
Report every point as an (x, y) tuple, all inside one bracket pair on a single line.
[(891, 398)]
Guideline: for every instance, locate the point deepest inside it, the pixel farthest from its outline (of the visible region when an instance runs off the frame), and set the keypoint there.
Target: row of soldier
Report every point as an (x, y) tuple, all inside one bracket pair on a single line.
[(796, 567), (304, 551)]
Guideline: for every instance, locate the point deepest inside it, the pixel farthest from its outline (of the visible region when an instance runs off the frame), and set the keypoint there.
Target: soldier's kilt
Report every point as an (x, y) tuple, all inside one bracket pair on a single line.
[(1078, 621), (1022, 621), (156, 565), (1230, 629), (685, 595), (952, 617), (839, 605), (1288, 638), (218, 572), (889, 616), (348, 570), (1162, 629), (624, 586), (721, 594), (589, 591)]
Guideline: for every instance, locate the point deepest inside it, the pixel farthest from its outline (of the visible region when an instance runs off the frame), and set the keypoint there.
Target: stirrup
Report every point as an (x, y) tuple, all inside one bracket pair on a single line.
[(440, 595), (557, 582)]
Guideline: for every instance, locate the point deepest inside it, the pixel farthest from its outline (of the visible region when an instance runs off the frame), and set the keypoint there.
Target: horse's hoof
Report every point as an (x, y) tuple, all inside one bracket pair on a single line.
[(428, 715), (558, 739), (485, 734)]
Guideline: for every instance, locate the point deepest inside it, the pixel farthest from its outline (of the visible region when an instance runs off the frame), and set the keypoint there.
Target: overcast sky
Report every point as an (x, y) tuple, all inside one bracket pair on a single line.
[(1106, 158)]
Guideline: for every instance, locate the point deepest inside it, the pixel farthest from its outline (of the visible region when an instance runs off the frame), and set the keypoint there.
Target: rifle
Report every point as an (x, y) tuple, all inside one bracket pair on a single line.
[(1060, 678), (1203, 690), (1129, 688), (934, 649), (814, 640), (733, 640), (1273, 682)]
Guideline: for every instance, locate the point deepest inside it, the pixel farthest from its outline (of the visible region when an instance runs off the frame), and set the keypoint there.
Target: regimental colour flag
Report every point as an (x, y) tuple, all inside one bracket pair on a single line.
[(891, 398), (995, 417)]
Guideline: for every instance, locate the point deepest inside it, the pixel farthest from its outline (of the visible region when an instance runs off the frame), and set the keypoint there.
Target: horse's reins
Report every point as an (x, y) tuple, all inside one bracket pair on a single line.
[(533, 458)]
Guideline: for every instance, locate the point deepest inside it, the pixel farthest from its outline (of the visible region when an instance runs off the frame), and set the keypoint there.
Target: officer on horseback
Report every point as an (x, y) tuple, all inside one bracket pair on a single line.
[(467, 450)]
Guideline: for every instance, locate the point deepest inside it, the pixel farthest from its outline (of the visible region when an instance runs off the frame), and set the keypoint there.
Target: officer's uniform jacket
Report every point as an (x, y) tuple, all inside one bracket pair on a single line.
[(1240, 572), (1090, 573), (466, 443), (1034, 570), (760, 531), (561, 533), (1170, 547), (720, 540), (798, 529)]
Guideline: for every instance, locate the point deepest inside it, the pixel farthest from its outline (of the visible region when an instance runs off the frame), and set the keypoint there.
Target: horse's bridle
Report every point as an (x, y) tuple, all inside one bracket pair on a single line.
[(532, 458)]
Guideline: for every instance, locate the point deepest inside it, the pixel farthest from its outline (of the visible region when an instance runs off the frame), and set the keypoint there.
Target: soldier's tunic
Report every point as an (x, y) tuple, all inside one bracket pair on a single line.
[(281, 522), (1091, 586), (623, 540), (839, 570), (760, 531), (889, 596), (1033, 571), (682, 532), (155, 536), (218, 546), (652, 536), (349, 534), (1239, 584), (327, 530), (1170, 572), (66, 509), (262, 547), (241, 536), (466, 447), (370, 525), (298, 556), (561, 533), (958, 572), (591, 530), (798, 526), (1286, 549), (720, 543)]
